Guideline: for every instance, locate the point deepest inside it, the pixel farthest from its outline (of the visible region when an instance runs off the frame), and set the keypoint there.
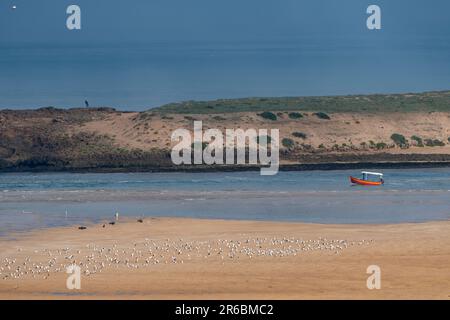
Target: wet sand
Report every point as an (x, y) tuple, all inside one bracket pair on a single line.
[(174, 258)]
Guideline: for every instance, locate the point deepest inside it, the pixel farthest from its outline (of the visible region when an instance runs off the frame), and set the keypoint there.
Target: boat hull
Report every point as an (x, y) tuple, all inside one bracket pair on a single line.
[(365, 182)]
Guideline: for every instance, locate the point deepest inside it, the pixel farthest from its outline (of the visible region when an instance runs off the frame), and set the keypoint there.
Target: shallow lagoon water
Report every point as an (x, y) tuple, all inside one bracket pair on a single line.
[(30, 200)]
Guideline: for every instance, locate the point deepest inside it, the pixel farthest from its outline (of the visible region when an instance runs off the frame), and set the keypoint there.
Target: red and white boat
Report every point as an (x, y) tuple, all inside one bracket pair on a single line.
[(368, 179)]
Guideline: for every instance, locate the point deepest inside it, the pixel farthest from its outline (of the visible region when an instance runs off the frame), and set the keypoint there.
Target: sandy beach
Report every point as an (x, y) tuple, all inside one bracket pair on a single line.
[(174, 258)]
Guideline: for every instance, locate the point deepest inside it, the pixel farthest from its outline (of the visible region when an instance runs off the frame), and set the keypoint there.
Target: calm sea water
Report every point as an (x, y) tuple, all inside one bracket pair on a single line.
[(140, 54), (39, 200), (141, 76)]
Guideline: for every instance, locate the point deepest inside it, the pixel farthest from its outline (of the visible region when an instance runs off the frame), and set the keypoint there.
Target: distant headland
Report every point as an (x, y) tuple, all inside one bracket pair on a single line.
[(411, 129)]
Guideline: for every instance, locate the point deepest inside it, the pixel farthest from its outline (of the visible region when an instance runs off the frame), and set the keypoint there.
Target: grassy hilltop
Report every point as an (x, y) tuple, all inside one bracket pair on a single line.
[(409, 102)]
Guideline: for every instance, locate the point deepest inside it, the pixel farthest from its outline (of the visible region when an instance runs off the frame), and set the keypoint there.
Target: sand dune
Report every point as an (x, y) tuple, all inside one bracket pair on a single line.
[(350, 129)]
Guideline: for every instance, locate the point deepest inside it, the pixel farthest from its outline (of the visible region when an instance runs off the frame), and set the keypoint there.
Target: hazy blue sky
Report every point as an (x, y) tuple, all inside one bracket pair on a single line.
[(136, 54)]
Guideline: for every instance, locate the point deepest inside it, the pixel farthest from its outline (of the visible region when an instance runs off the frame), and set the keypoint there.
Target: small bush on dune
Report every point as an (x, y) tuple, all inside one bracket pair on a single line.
[(434, 143), (295, 115), (288, 143), (322, 115), (268, 115), (399, 140), (299, 135), (418, 140)]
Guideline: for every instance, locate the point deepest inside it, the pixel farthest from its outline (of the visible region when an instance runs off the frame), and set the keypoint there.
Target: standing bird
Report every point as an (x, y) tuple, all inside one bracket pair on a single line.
[(86, 103)]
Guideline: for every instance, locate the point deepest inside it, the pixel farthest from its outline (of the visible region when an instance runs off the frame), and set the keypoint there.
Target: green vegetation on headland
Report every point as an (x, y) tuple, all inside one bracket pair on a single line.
[(295, 115), (268, 115), (399, 140), (288, 143), (434, 143), (322, 115), (299, 135), (418, 140), (407, 102)]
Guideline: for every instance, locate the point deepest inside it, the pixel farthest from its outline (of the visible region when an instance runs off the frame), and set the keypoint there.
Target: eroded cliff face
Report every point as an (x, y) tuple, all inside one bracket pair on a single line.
[(53, 139)]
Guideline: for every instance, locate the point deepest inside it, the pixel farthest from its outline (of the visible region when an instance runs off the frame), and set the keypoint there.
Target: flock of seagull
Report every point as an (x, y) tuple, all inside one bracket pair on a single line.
[(96, 258)]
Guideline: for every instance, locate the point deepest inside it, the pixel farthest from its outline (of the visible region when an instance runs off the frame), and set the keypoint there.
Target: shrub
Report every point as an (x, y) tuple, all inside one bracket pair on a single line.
[(268, 115), (295, 115), (381, 145), (434, 143), (399, 140), (322, 115), (299, 135), (418, 140), (288, 143)]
